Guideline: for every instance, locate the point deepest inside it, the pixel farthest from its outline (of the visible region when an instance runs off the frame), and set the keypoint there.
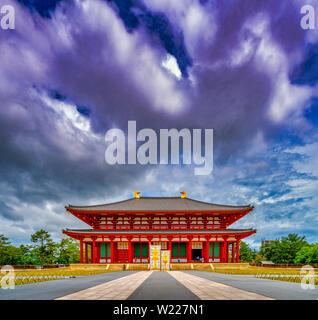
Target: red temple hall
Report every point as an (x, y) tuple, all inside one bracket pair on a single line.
[(193, 231)]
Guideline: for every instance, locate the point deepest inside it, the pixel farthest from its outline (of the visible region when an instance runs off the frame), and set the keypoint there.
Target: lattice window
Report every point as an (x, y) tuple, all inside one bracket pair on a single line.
[(179, 250), (197, 245), (214, 249), (213, 222), (122, 245), (140, 250), (175, 220), (119, 220), (156, 220), (197, 223), (164, 245)]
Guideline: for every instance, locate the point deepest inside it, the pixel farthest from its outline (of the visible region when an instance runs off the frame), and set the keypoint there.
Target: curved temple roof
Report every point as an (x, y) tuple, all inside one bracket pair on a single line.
[(139, 232), (160, 204)]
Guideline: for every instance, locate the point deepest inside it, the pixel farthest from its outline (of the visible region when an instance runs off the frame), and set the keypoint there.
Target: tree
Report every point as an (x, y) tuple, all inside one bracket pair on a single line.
[(259, 258), (13, 255), (246, 253), (307, 254), (3, 241), (9, 254), (4, 244), (285, 250), (68, 251), (44, 247), (28, 256), (272, 251)]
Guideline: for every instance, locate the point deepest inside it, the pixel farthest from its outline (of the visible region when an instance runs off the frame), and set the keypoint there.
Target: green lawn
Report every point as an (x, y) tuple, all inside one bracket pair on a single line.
[(31, 276), (281, 274)]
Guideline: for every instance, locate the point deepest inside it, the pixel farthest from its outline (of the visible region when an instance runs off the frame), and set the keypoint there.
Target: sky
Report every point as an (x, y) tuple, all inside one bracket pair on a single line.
[(73, 69)]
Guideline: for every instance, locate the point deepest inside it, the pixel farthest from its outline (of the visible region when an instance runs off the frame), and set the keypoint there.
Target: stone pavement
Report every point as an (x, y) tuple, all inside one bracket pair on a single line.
[(118, 289), (50, 290), (162, 286), (173, 285), (159, 285), (210, 290), (279, 290)]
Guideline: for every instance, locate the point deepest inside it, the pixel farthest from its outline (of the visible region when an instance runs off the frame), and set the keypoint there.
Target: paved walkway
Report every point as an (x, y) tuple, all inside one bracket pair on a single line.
[(49, 290), (162, 286), (157, 285), (276, 289), (210, 290), (119, 289)]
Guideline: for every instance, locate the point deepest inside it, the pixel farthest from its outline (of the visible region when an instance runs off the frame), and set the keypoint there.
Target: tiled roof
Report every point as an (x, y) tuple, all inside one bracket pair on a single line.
[(160, 204), (139, 232)]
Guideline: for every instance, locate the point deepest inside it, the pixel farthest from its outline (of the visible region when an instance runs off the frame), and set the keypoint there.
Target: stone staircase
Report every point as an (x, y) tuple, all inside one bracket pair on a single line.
[(137, 266), (122, 256)]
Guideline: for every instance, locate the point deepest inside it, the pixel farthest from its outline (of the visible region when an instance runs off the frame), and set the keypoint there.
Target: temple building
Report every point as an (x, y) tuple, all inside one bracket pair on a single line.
[(122, 232)]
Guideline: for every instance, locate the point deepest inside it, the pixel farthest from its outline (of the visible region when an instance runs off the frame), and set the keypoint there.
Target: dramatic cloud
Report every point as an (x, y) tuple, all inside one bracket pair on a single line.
[(71, 70)]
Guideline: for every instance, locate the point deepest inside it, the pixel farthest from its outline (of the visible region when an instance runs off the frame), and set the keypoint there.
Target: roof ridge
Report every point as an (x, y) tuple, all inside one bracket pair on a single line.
[(141, 197), (194, 200), (218, 204), (103, 204), (163, 230), (160, 204)]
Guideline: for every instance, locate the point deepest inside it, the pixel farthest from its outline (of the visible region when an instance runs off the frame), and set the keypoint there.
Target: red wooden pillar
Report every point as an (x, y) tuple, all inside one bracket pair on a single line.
[(129, 250), (149, 244), (223, 252), (227, 252), (190, 249), (81, 250), (233, 252), (170, 246), (207, 250), (237, 250), (225, 249), (94, 251), (91, 245), (86, 255), (112, 253), (98, 252)]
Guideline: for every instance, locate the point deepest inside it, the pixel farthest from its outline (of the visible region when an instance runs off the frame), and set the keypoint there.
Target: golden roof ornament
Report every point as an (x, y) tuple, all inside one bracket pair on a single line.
[(136, 194), (184, 194)]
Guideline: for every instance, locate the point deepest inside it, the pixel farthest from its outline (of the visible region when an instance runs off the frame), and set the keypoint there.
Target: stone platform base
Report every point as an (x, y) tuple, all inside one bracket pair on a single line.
[(174, 266)]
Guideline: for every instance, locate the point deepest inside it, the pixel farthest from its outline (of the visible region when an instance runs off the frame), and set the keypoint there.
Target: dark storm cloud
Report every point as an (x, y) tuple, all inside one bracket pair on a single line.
[(306, 73), (43, 7), (37, 161), (8, 213), (284, 22), (135, 14), (312, 112), (237, 116), (85, 66), (245, 98), (224, 98), (40, 165)]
